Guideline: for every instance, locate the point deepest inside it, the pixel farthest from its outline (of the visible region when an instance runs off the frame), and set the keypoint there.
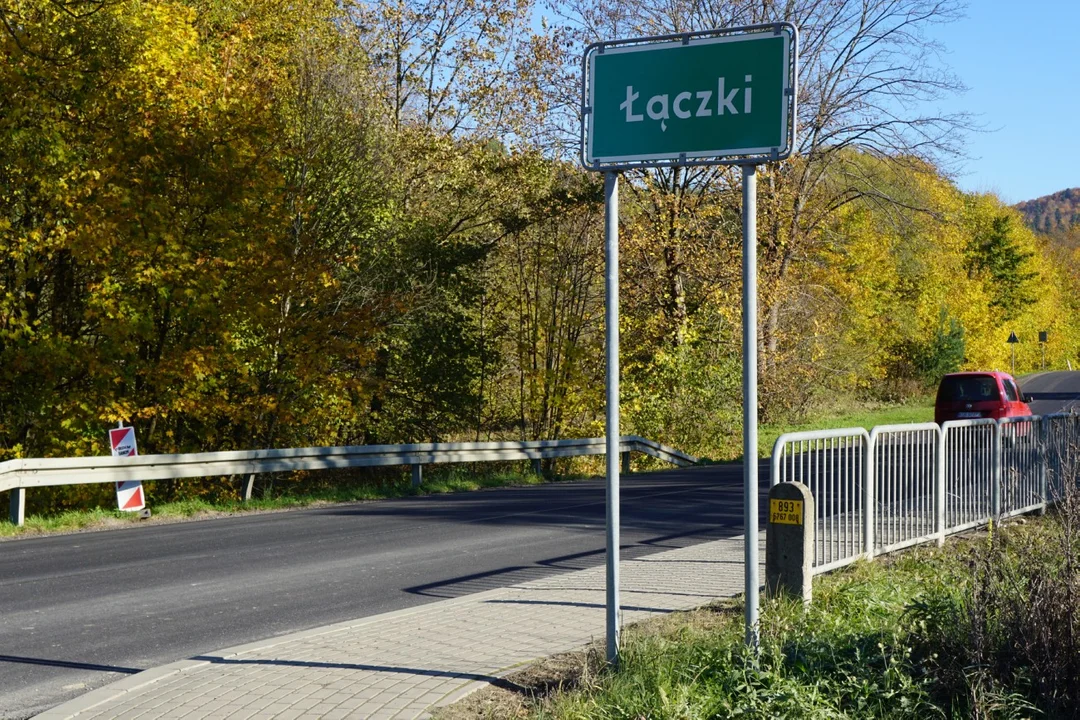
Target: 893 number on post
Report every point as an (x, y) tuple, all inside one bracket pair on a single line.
[(786, 512)]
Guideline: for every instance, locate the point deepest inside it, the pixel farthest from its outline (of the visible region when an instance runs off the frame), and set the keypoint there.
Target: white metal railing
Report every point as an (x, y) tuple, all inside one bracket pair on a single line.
[(969, 469), (17, 475), (902, 485), (904, 469), (1060, 434), (1020, 487), (833, 465)]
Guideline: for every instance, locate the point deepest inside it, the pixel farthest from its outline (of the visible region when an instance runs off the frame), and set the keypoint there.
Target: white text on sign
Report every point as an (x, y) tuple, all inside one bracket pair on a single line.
[(657, 106)]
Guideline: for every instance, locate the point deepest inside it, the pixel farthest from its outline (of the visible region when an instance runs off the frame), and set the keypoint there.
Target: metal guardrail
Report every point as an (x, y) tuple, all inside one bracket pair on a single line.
[(18, 475), (902, 485)]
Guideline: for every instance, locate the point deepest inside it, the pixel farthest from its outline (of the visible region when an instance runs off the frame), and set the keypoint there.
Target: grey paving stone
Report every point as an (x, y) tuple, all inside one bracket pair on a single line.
[(402, 664)]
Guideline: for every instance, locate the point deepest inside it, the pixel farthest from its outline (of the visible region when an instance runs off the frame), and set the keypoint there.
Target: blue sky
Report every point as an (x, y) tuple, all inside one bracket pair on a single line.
[(1021, 64)]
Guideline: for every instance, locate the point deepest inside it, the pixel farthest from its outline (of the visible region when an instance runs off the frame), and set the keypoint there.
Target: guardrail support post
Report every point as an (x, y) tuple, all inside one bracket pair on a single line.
[(789, 541), (939, 487), (626, 462), (249, 487), (537, 466), (17, 507), (417, 475)]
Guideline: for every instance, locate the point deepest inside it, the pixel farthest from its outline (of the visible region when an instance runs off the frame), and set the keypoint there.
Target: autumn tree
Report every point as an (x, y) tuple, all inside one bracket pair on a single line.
[(113, 212), (443, 64), (546, 309), (178, 230), (868, 73)]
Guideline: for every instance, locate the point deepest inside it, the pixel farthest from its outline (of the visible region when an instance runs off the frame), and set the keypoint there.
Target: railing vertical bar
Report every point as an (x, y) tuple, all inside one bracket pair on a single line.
[(927, 487), (849, 478), (917, 466), (950, 472), (918, 524), (904, 467), (976, 445), (832, 497), (890, 506), (898, 488), (827, 492), (881, 509), (911, 515), (920, 520), (947, 442), (869, 495)]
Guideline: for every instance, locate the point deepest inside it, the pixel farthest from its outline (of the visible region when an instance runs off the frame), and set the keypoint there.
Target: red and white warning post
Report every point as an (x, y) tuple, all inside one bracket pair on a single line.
[(129, 493)]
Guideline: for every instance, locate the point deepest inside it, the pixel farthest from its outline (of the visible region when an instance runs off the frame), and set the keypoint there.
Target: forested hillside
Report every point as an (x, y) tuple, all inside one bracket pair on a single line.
[(1055, 214), (247, 224), (1056, 219)]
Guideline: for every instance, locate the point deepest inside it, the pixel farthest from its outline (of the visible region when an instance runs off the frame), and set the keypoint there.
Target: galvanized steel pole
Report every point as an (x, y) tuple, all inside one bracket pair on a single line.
[(611, 291), (750, 434)]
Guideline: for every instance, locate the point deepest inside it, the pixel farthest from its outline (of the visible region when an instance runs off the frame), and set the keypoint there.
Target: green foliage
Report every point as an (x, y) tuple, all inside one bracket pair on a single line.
[(980, 629), (938, 355), (994, 252), (160, 277), (1009, 633), (688, 397)]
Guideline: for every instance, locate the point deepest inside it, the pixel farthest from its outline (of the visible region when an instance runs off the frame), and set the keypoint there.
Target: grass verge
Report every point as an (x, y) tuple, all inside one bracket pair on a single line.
[(867, 416), (972, 630), (847, 656)]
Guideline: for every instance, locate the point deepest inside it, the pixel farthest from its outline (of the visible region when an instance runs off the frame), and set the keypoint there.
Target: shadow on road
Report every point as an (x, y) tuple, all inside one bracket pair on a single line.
[(517, 574), (68, 664)]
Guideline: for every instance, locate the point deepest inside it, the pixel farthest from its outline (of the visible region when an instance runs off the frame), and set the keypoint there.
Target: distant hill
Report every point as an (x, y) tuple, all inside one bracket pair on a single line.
[(1053, 214)]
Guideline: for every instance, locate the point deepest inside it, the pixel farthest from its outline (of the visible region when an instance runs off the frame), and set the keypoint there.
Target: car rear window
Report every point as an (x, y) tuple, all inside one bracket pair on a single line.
[(1010, 391), (968, 388)]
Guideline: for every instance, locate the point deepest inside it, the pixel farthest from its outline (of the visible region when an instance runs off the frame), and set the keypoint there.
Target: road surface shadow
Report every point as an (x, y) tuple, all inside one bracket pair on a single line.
[(69, 664), (517, 574)]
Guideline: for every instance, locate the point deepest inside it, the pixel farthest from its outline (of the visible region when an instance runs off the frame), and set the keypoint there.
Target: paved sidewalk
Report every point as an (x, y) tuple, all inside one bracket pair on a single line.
[(403, 664)]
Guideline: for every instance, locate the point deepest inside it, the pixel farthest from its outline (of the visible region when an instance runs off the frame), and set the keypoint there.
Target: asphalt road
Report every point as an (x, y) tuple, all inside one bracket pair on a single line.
[(82, 610), (1052, 392)]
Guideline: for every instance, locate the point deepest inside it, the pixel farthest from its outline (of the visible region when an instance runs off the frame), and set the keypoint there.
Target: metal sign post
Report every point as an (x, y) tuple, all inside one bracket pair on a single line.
[(611, 329), (750, 441), (718, 97)]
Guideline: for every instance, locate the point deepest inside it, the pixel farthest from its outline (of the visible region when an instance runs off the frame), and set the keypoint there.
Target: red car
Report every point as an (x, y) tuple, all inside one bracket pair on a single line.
[(968, 395)]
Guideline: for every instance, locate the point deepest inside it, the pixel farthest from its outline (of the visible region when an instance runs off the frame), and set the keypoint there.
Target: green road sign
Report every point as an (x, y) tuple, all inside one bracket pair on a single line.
[(717, 97)]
